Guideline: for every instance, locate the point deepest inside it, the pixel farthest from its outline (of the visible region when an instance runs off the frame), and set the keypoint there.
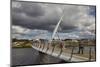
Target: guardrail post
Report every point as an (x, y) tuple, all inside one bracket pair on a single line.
[(48, 46), (60, 52), (90, 54), (71, 54)]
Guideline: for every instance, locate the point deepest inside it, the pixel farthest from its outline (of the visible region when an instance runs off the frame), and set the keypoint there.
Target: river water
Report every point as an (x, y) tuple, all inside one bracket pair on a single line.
[(30, 56)]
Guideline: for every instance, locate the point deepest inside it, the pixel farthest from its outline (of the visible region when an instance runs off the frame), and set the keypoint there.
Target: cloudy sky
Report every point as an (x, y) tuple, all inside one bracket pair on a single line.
[(37, 20)]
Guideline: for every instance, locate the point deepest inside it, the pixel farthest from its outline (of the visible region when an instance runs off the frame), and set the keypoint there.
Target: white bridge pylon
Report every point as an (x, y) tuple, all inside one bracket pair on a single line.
[(57, 26)]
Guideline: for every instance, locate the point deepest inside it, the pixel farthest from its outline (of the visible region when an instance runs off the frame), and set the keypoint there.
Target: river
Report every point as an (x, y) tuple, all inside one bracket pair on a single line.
[(30, 56)]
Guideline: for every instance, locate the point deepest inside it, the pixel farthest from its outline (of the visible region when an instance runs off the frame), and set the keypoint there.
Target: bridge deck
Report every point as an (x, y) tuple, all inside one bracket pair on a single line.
[(65, 54)]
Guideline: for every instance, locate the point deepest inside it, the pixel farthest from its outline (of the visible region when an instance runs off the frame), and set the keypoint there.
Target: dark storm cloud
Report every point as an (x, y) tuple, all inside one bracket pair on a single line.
[(30, 9), (45, 16), (35, 16), (38, 20), (34, 23), (93, 10)]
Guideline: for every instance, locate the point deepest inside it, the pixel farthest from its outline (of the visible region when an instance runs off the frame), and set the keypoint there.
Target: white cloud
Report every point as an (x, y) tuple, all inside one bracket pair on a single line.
[(16, 5), (20, 30)]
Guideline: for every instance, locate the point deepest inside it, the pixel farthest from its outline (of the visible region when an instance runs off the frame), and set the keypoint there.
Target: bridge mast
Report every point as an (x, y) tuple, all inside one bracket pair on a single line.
[(56, 28)]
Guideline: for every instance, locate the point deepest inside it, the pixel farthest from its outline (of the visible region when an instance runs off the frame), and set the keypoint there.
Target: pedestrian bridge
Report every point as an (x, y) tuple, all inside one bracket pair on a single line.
[(67, 54)]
